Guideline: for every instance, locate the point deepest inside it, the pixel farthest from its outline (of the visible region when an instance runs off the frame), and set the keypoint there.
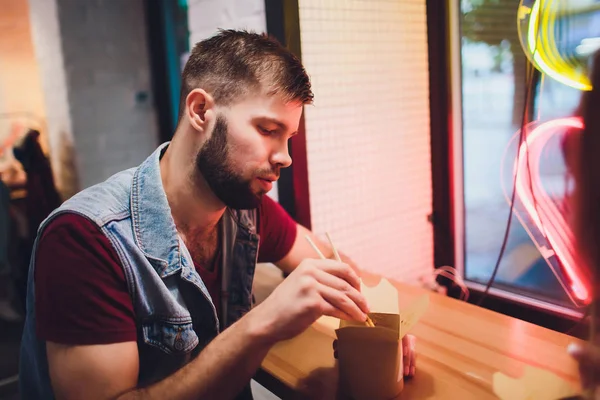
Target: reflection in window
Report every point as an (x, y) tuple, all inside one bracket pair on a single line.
[(493, 99)]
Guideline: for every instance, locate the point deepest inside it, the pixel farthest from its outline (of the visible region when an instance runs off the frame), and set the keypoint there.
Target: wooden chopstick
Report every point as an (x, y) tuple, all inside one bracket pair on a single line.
[(368, 321), (335, 252), (314, 246)]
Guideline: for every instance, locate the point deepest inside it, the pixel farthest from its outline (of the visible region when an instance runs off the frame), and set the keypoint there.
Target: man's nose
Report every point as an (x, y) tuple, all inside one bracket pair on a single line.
[(281, 157)]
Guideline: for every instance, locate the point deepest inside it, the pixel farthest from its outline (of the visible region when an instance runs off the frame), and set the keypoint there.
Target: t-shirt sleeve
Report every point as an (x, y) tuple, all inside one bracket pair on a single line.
[(277, 231), (81, 294)]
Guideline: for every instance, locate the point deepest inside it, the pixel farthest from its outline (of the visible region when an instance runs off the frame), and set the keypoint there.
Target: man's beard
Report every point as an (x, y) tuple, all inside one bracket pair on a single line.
[(212, 162)]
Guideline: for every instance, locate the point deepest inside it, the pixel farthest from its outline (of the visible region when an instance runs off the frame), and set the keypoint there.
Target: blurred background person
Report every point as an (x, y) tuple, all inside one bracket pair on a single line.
[(586, 171)]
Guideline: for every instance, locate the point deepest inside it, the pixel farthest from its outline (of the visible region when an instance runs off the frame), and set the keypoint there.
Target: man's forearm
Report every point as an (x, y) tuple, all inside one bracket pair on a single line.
[(220, 371)]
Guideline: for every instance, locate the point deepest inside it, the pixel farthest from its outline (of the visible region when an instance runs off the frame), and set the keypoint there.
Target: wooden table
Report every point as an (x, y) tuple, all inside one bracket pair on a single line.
[(459, 347)]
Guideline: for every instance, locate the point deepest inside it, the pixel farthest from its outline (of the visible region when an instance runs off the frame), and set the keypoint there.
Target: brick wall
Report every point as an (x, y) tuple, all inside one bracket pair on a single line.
[(96, 77), (368, 140)]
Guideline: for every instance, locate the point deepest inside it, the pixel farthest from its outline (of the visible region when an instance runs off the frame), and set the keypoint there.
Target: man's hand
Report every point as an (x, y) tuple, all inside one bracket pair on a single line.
[(302, 249), (313, 289)]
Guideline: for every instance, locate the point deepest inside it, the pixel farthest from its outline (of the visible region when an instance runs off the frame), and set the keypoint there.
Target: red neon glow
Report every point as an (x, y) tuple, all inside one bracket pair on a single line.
[(544, 213)]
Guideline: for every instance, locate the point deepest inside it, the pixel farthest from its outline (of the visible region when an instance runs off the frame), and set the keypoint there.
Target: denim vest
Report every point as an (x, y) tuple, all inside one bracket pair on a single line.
[(174, 313)]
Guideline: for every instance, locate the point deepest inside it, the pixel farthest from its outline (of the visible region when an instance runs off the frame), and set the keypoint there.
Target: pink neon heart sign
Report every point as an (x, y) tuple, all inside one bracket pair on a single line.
[(547, 218)]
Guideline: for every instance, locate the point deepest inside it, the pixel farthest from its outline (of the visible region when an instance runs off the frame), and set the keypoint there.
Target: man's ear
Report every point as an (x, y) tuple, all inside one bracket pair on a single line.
[(199, 107)]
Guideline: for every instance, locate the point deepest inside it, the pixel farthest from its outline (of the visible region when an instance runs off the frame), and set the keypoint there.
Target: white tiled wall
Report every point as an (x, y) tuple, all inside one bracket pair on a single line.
[(368, 140)]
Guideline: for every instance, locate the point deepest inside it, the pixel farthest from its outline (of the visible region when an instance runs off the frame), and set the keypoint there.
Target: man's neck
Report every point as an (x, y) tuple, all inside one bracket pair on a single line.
[(195, 209)]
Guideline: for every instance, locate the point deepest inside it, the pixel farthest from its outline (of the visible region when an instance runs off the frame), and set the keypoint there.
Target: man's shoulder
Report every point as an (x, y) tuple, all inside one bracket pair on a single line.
[(70, 225)]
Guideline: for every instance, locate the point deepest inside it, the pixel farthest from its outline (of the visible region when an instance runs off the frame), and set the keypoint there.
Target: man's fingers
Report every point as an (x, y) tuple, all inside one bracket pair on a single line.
[(345, 305), (409, 354), (332, 311), (344, 288), (341, 270)]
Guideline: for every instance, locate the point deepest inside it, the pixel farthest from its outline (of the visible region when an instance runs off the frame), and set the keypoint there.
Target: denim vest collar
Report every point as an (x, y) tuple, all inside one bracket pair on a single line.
[(153, 226), (156, 234)]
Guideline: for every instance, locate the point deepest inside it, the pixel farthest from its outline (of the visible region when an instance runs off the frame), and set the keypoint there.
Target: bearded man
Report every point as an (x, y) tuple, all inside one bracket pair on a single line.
[(141, 286)]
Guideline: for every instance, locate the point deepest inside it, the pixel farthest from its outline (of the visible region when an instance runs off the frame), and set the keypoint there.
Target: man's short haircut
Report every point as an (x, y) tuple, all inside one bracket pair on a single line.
[(233, 64)]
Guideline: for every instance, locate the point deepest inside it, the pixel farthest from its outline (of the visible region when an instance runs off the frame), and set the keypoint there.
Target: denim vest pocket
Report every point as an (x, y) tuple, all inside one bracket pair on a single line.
[(170, 337)]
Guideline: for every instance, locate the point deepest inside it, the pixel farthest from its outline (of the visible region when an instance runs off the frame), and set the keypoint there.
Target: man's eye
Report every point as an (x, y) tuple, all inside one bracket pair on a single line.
[(265, 131)]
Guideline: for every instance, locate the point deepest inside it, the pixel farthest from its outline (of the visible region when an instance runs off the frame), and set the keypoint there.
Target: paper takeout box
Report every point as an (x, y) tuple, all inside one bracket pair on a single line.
[(370, 358)]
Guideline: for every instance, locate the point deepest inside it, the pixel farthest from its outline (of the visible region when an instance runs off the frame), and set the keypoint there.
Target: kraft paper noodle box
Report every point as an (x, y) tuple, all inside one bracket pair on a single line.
[(370, 358)]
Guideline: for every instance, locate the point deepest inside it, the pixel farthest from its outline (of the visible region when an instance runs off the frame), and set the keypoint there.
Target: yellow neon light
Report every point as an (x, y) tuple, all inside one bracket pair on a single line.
[(543, 51), (557, 76), (533, 19), (554, 58)]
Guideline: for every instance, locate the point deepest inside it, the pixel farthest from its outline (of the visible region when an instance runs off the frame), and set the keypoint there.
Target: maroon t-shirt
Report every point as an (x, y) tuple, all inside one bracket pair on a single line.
[(81, 295)]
